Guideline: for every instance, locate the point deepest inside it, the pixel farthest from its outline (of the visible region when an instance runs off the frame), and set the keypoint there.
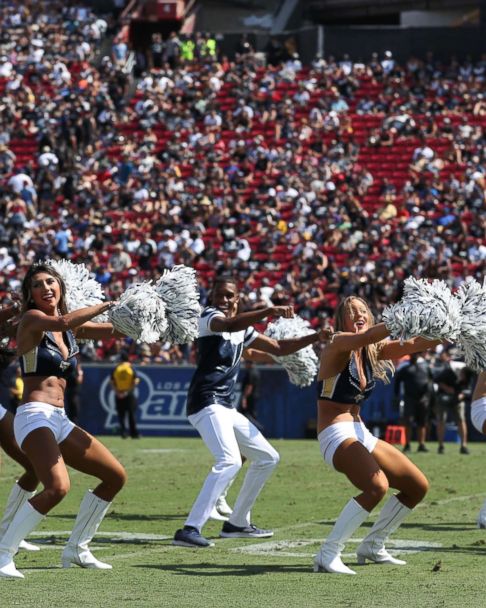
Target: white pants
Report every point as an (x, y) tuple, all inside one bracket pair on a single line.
[(228, 434), (3, 411), (35, 415), (332, 436), (478, 413)]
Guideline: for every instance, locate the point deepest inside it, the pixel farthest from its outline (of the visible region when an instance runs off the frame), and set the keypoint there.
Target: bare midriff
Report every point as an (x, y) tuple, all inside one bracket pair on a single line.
[(44, 389), (332, 412)]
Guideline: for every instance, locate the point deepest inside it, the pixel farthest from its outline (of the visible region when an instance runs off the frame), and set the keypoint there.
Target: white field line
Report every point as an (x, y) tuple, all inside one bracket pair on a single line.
[(277, 548)]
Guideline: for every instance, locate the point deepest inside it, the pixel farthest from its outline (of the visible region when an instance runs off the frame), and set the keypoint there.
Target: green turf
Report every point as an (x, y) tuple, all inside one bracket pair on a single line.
[(446, 568)]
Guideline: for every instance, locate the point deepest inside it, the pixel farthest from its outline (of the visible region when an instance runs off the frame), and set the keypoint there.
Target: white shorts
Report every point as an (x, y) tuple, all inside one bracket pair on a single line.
[(332, 436), (35, 415), (478, 413), (3, 411)]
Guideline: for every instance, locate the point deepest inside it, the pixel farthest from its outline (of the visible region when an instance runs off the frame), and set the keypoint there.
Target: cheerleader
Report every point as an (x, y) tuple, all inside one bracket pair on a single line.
[(355, 358), (27, 483), (47, 349), (224, 337)]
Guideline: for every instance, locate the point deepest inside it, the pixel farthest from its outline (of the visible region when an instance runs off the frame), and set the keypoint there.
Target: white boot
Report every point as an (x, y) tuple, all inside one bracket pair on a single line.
[(223, 507), (221, 510), (17, 497), (329, 557), (24, 521), (373, 546), (76, 552), (481, 521)]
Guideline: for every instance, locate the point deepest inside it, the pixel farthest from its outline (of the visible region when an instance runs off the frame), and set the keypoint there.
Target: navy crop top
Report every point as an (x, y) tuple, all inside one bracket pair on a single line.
[(345, 387), (46, 359)]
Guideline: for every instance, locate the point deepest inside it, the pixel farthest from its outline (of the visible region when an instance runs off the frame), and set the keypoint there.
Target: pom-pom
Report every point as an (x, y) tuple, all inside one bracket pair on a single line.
[(471, 297), (302, 365), (426, 309), (81, 289), (140, 313), (179, 291)]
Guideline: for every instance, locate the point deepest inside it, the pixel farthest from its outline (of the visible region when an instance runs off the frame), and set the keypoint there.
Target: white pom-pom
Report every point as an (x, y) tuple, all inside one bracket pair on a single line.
[(179, 291), (301, 366), (471, 297), (81, 289), (140, 313), (426, 309)]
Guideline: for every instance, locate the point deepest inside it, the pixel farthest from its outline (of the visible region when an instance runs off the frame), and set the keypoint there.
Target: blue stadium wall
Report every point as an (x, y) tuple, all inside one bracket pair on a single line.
[(284, 410)]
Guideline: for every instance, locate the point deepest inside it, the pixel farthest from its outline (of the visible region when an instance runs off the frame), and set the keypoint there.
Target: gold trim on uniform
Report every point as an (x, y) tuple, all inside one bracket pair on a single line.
[(30, 361), (328, 386)]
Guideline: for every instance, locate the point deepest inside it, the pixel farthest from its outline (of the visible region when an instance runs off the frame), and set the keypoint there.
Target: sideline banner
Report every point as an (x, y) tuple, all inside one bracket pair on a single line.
[(284, 410)]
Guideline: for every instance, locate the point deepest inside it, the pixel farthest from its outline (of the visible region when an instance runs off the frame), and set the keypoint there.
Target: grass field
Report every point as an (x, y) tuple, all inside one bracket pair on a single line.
[(445, 551)]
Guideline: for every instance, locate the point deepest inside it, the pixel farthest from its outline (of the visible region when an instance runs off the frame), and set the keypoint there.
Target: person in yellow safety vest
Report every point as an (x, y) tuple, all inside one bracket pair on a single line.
[(124, 380), (187, 50)]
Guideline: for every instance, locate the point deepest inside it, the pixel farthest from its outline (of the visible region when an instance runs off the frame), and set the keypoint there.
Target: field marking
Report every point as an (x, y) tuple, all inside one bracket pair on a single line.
[(278, 548)]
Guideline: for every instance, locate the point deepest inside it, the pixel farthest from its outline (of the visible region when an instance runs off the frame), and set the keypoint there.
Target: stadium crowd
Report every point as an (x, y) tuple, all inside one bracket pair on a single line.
[(308, 183)]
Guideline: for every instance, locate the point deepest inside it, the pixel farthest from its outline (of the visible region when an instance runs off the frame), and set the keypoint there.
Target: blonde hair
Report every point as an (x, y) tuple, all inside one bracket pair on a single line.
[(381, 368)]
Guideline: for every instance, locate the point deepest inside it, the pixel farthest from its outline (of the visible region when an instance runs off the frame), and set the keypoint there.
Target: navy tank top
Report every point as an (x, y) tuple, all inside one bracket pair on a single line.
[(345, 387), (47, 360)]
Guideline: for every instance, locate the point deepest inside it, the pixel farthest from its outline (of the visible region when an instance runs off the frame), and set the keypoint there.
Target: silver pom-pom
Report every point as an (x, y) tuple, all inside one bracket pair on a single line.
[(81, 289), (427, 309), (471, 297), (179, 291), (301, 366), (140, 313)]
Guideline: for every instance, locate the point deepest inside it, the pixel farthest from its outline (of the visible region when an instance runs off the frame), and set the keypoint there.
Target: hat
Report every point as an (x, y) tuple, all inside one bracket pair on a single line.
[(3, 251)]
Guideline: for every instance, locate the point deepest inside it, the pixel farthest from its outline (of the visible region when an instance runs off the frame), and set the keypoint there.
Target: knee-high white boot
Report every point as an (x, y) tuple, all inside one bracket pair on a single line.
[(17, 497), (373, 546), (329, 557), (76, 552), (24, 521)]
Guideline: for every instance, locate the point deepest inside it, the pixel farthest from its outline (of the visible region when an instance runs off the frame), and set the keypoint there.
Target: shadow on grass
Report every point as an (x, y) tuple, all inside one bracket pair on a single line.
[(131, 516), (54, 540), (226, 569)]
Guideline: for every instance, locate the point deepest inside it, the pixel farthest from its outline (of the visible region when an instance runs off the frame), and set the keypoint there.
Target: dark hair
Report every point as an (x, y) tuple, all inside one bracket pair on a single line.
[(27, 286), (223, 280)]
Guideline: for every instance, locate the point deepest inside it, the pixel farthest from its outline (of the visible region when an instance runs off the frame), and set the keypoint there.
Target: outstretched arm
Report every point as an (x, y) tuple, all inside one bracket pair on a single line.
[(280, 348), (97, 331), (35, 322), (396, 349), (244, 320)]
